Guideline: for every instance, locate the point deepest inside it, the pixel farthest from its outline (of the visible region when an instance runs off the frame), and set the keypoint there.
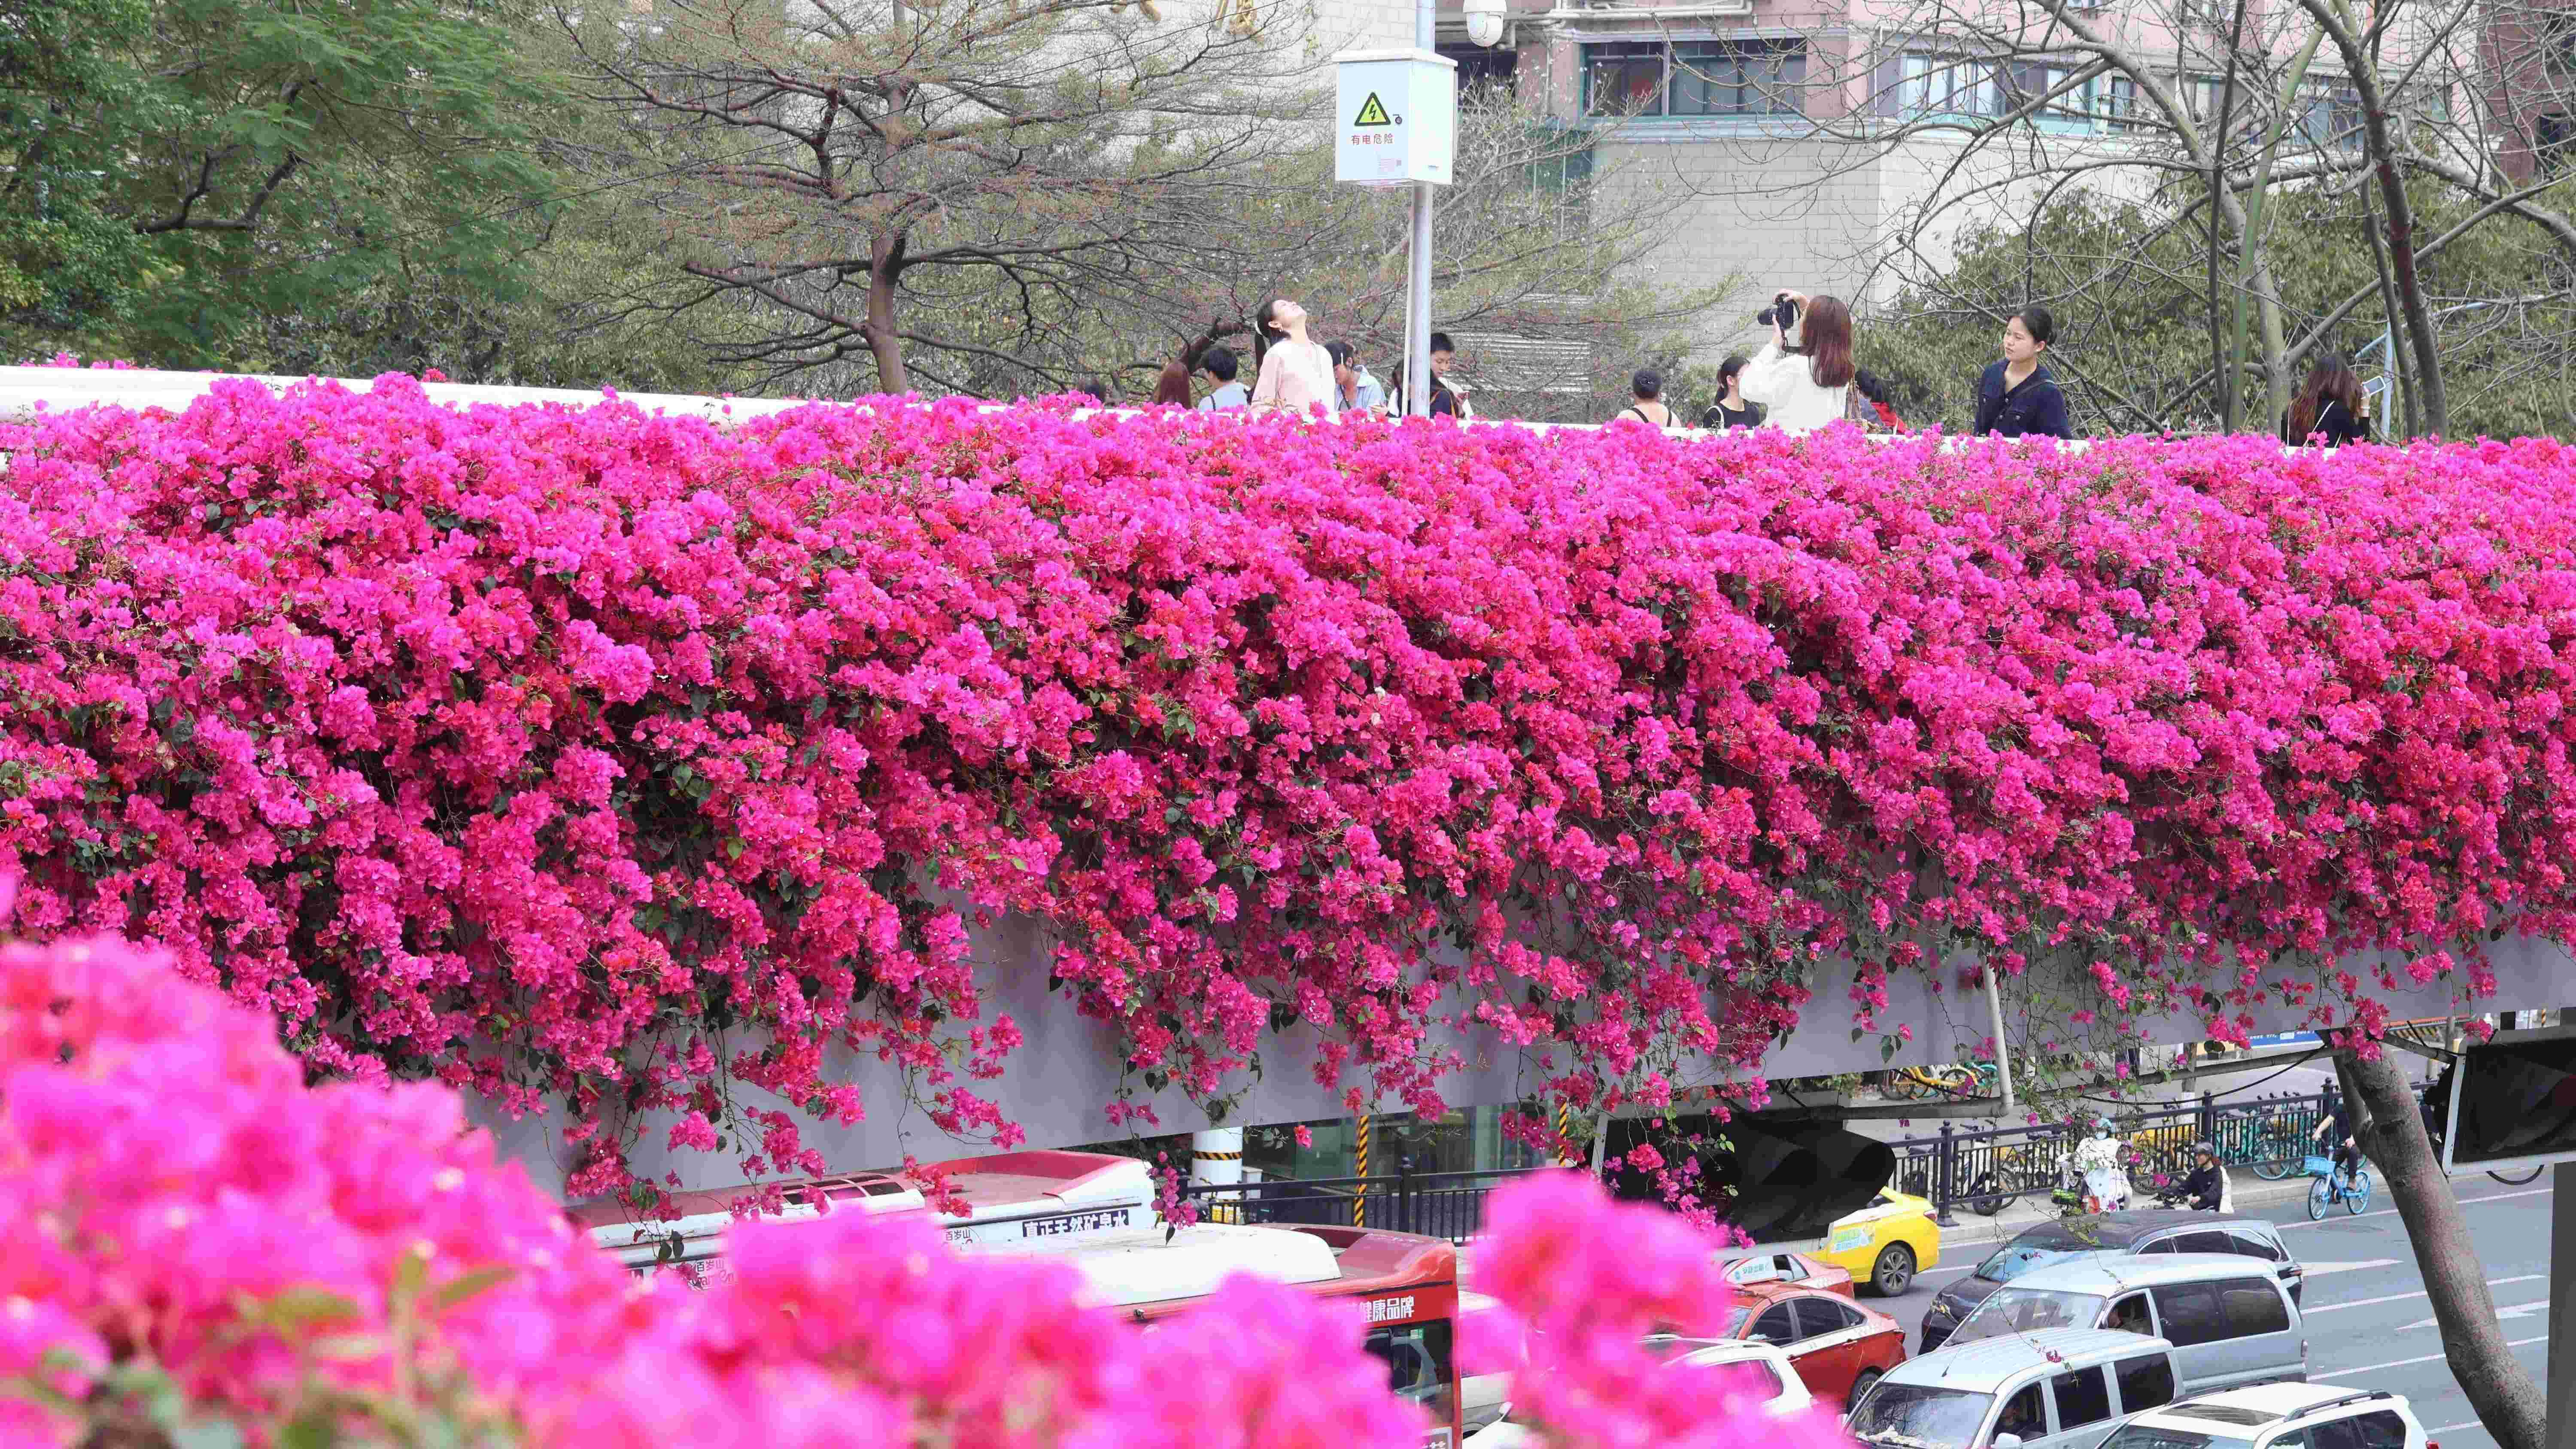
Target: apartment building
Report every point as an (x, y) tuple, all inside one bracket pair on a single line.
[(1842, 145), (2528, 53)]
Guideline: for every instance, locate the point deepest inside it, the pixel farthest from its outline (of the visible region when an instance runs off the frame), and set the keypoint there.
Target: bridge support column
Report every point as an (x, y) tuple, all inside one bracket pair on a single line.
[(1216, 1156)]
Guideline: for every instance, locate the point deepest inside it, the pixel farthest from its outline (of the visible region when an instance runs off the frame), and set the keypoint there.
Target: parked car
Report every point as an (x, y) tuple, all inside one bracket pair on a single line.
[(1774, 1378), (1838, 1347), (2278, 1416), (2230, 1322), (2142, 1230), (1797, 1270), (2062, 1388), (1886, 1243)]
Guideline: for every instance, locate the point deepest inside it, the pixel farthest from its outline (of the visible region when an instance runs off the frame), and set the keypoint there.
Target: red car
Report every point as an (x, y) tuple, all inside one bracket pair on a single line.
[(1839, 1347), (1793, 1270)]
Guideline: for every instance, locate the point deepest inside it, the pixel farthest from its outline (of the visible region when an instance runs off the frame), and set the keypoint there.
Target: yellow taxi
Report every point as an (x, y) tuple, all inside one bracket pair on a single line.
[(1884, 1244)]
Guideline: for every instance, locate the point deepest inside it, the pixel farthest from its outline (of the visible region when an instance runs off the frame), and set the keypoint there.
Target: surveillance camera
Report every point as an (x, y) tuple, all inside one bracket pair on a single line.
[(1484, 20)]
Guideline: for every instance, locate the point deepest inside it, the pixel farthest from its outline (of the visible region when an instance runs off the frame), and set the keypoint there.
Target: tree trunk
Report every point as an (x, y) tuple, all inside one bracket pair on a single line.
[(2363, 70), (2402, 404), (2508, 1401), (885, 267)]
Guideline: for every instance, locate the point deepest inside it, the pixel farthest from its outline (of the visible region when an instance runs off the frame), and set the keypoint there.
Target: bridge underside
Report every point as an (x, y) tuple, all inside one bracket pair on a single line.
[(1057, 1084)]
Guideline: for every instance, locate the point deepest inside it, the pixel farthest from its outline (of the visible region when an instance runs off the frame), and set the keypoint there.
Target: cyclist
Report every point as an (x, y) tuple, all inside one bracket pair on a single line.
[(2335, 1131)]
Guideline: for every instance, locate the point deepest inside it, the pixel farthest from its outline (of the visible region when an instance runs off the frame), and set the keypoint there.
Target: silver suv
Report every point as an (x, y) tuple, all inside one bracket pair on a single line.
[(2277, 1416), (2154, 1231)]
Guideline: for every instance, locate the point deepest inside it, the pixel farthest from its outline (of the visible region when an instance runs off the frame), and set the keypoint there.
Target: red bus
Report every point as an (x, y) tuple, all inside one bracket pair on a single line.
[(1095, 1213)]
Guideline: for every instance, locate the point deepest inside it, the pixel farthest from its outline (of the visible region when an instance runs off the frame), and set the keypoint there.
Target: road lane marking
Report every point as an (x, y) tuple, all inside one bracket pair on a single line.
[(2315, 1270), (2370, 1368), (2418, 1293), (2384, 1212), (2518, 1310)]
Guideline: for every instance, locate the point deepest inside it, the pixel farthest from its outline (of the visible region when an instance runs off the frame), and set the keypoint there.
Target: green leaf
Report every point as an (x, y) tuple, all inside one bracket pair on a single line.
[(210, 1433), (295, 1311), (465, 1286)]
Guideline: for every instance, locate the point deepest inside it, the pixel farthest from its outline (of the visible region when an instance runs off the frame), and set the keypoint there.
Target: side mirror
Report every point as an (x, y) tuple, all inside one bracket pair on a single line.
[(2007, 1441)]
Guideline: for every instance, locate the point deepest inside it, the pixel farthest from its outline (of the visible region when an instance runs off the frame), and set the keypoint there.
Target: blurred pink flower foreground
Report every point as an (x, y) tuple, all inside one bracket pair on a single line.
[(204, 1246)]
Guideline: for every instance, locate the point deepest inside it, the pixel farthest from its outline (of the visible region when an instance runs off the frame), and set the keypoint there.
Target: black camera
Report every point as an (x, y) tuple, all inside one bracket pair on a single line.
[(1781, 310)]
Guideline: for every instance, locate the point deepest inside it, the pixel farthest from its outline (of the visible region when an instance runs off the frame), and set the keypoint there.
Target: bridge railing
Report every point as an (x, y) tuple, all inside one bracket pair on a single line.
[(1981, 1172)]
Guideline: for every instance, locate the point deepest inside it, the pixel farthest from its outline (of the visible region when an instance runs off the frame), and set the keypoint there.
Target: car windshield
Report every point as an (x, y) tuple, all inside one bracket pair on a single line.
[(2160, 1436), (2027, 1310), (1916, 1416), (2016, 1259)]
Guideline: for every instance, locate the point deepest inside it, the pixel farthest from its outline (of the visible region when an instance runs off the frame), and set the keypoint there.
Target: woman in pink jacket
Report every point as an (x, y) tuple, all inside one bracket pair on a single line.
[(1296, 373)]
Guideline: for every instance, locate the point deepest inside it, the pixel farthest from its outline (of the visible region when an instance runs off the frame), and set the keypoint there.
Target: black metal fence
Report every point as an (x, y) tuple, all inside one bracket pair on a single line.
[(1440, 1204), (1986, 1172), (1981, 1172)]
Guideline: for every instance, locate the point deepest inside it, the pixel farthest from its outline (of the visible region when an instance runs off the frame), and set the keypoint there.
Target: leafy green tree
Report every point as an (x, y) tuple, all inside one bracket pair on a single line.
[(263, 159), (67, 259)]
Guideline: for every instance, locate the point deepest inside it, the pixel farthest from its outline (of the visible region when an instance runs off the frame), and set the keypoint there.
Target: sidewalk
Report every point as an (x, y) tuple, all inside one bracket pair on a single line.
[(2251, 1194)]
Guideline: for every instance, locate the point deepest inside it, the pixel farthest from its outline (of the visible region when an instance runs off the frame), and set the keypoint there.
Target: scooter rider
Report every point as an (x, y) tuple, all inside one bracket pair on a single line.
[(2100, 1159), (2207, 1186)]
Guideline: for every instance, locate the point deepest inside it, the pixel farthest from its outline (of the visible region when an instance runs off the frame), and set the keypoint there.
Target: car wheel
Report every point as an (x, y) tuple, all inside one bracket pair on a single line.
[(1893, 1273), (1861, 1385)]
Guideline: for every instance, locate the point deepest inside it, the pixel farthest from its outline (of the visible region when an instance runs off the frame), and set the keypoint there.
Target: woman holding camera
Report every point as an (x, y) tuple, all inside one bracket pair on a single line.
[(1805, 387)]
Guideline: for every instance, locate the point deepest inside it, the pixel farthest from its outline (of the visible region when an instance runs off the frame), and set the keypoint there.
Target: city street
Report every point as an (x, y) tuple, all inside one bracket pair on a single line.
[(2368, 1322)]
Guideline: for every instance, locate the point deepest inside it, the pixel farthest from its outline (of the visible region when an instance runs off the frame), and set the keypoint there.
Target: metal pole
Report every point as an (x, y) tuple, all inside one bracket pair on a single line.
[(1417, 309), (1995, 1015), (2561, 1394)]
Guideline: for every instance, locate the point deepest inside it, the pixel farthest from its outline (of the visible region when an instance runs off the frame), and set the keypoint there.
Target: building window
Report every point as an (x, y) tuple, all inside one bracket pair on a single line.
[(2553, 140), (1738, 78), (2028, 83), (2120, 103), (1625, 79), (1694, 78), (1485, 77), (2330, 118), (1948, 85)]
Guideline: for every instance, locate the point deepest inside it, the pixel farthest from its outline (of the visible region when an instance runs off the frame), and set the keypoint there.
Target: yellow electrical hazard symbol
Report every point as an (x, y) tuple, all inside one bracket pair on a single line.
[(1372, 113)]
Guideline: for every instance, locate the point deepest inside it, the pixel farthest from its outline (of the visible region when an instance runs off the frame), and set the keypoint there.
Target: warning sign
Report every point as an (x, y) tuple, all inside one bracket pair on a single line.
[(1400, 114)]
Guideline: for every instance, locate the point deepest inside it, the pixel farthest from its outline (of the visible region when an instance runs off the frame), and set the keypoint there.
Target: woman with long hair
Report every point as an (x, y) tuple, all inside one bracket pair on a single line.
[(1294, 373), (1172, 386), (1808, 386), (2328, 408)]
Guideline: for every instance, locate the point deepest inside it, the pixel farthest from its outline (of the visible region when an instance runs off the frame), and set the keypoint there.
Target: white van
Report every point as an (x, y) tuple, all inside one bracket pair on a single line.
[(2230, 1321), (2064, 1388)]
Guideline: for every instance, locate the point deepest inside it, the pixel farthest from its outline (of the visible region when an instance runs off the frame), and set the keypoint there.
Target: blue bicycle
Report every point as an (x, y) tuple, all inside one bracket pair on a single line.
[(2334, 1185)]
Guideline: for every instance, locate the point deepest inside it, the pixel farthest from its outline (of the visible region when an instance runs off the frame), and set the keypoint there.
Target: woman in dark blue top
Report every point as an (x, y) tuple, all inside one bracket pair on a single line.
[(2017, 397)]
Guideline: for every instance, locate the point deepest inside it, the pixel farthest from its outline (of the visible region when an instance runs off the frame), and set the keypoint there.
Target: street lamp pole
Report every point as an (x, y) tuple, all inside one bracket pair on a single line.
[(1417, 306)]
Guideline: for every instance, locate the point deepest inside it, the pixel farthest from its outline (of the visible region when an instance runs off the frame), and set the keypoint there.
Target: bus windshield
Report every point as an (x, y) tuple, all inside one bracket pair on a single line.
[(1917, 1416), (2027, 1310)]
